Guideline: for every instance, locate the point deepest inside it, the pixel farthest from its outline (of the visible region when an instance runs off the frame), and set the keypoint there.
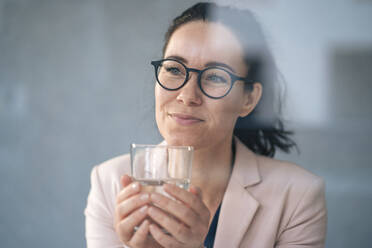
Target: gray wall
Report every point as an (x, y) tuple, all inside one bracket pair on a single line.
[(76, 89)]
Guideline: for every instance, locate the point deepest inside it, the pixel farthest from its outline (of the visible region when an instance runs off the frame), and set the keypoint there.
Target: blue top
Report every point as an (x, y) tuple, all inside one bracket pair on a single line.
[(209, 240)]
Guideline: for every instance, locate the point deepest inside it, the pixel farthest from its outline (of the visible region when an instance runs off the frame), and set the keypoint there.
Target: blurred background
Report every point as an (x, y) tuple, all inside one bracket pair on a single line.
[(76, 88)]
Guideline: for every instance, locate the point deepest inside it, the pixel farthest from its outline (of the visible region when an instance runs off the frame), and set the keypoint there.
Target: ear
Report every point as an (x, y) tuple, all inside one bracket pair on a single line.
[(251, 99)]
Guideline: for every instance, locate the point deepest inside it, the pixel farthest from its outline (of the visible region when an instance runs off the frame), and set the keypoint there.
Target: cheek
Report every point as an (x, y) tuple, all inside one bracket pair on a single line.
[(228, 117), (157, 97), (227, 114), (162, 99), (158, 103)]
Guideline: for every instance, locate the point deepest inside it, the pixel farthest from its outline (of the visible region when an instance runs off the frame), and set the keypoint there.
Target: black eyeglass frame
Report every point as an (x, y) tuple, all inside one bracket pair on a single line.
[(233, 77)]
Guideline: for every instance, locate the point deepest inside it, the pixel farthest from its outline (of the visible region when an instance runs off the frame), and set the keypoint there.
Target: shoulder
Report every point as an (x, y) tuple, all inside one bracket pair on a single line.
[(298, 194), (100, 208), (289, 197), (287, 183), (256, 170), (116, 165), (108, 173), (287, 173), (299, 197), (274, 181)]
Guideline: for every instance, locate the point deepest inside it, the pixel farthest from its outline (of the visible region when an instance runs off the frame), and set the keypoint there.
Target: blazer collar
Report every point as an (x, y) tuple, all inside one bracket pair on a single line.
[(238, 205)]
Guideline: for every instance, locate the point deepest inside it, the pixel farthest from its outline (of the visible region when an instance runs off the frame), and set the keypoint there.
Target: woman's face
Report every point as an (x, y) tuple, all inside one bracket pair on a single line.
[(187, 116)]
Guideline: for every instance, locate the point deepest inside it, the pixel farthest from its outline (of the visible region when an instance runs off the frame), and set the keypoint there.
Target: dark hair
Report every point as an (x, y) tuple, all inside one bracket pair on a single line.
[(262, 130)]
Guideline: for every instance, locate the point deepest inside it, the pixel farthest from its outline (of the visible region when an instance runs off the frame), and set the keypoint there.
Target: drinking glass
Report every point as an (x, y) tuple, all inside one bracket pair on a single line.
[(154, 165)]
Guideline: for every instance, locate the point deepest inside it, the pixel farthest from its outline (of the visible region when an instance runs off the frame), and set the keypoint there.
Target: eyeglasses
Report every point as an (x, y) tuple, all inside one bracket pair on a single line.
[(215, 82)]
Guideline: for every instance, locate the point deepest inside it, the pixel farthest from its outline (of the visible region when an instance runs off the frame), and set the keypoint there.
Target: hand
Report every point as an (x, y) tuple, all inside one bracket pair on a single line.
[(131, 211), (190, 226)]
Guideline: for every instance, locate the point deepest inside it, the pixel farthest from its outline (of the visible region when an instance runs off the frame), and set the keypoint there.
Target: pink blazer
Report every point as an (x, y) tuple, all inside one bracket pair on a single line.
[(267, 203)]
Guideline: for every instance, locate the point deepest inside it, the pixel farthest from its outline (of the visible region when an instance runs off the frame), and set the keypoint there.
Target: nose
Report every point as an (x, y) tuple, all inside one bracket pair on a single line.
[(190, 93)]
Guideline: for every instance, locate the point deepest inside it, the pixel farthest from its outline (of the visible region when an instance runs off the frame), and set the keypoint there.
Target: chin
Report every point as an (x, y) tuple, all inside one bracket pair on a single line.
[(190, 140), (181, 139), (178, 141)]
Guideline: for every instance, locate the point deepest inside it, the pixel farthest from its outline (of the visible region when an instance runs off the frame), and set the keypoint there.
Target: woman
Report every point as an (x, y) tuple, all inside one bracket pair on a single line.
[(214, 92)]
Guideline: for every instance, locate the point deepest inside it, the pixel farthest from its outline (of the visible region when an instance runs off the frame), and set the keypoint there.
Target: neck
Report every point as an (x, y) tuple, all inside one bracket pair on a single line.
[(211, 172)]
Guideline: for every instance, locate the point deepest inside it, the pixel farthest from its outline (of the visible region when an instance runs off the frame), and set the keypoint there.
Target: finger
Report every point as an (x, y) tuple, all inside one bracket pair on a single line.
[(179, 210), (125, 180), (131, 189), (196, 191), (174, 227), (125, 228), (124, 208), (190, 199), (140, 236), (162, 238)]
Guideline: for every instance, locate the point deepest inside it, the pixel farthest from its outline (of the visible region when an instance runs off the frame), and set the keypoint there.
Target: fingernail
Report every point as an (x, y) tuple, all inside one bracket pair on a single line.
[(144, 197), (143, 209), (135, 185)]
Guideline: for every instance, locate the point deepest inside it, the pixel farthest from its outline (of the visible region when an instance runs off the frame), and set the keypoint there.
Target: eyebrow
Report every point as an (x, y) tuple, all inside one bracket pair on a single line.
[(209, 64)]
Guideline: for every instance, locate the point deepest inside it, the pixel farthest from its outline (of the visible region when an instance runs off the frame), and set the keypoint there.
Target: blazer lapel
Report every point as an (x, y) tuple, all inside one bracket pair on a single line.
[(238, 205)]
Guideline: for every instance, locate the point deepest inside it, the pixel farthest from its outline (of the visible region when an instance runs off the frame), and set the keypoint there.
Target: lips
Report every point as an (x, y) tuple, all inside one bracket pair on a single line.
[(185, 119)]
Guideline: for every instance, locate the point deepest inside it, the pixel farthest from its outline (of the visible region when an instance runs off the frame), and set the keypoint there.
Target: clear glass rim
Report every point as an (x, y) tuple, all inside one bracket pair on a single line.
[(134, 145)]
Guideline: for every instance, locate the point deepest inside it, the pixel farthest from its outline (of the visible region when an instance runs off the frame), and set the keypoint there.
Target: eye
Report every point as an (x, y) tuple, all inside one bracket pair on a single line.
[(173, 70), (215, 78)]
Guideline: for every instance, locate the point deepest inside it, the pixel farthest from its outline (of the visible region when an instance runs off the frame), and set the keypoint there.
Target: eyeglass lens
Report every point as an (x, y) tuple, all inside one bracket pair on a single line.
[(214, 82)]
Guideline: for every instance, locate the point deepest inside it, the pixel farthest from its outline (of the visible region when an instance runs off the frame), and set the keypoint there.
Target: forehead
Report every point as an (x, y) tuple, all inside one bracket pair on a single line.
[(202, 42)]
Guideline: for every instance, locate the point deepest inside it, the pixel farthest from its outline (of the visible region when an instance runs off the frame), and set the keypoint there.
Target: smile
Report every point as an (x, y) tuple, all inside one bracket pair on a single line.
[(184, 119)]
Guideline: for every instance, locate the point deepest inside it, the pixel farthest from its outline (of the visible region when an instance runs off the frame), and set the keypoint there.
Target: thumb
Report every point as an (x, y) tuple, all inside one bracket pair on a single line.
[(125, 180)]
